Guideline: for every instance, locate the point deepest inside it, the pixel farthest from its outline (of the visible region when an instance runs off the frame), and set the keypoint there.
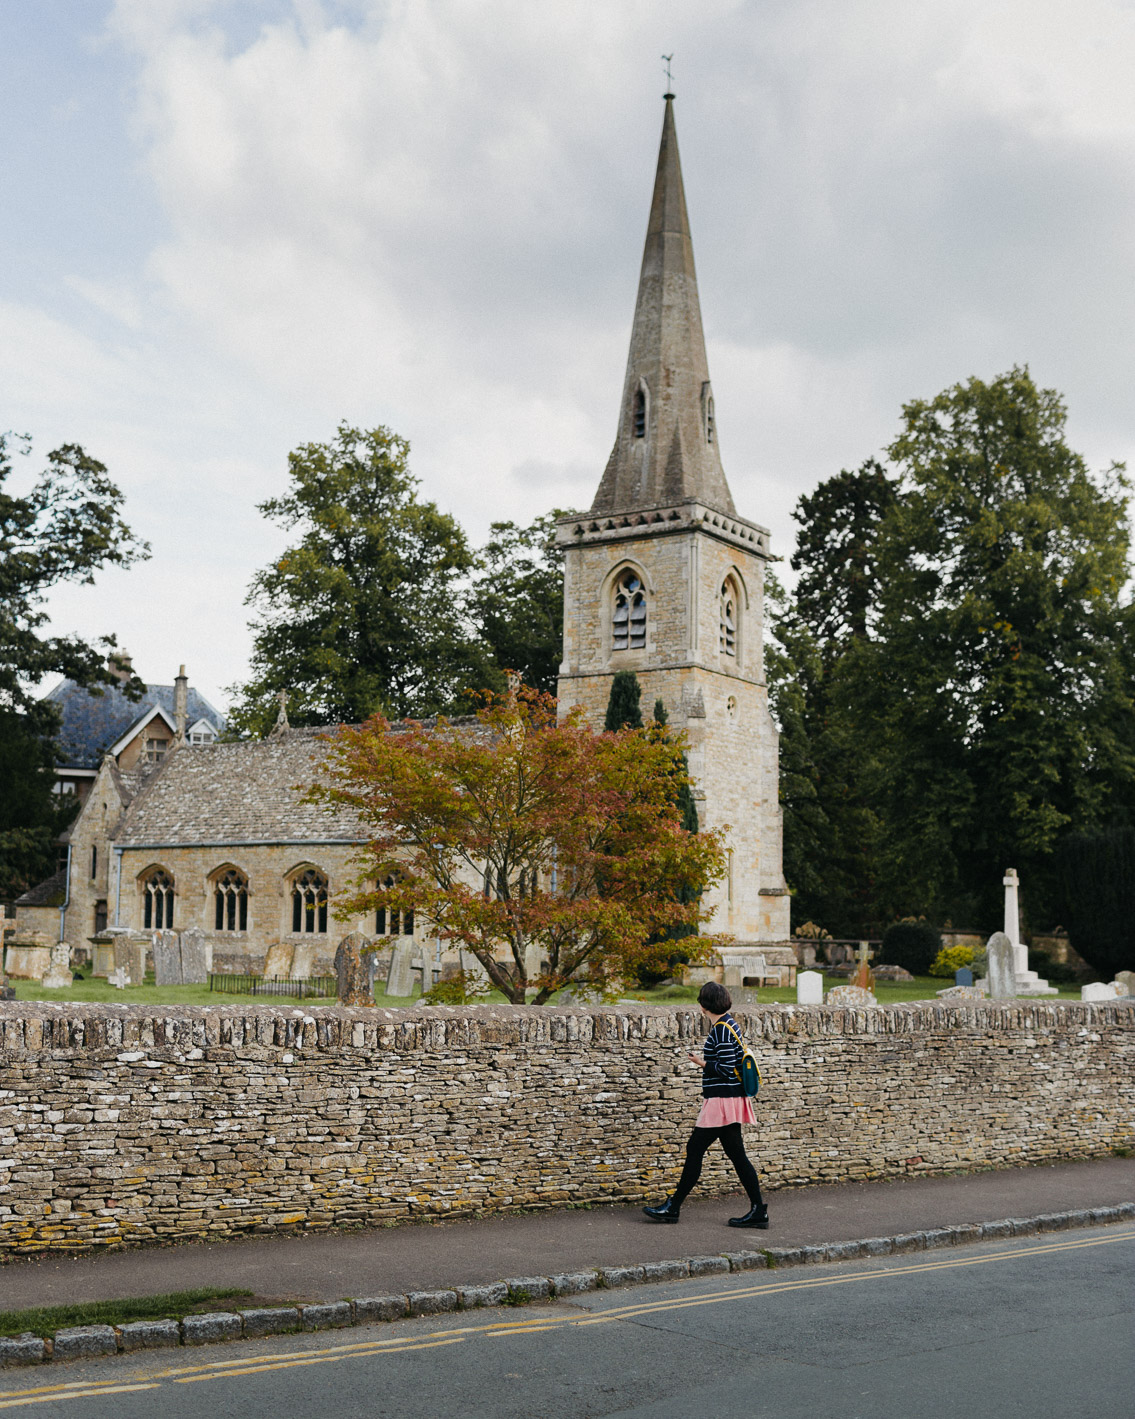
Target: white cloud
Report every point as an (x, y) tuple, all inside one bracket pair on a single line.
[(429, 214)]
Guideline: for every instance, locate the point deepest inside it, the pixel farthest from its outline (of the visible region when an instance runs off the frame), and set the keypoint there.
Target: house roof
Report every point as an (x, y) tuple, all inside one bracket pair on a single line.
[(247, 792), (49, 893), (92, 722)]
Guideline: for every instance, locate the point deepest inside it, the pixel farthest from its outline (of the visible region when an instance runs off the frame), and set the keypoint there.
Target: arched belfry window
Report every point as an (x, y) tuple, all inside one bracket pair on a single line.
[(638, 422), (728, 621), (628, 625), (157, 901), (230, 898), (309, 903)]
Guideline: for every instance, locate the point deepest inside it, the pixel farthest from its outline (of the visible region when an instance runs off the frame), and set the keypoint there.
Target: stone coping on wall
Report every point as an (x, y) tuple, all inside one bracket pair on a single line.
[(62, 1025)]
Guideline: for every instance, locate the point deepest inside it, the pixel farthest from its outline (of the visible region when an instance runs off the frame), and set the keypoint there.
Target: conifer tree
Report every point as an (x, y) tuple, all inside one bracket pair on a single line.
[(624, 710)]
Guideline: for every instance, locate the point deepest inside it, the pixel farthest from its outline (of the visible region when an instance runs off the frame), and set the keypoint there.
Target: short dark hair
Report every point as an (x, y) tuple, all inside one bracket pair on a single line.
[(714, 998)]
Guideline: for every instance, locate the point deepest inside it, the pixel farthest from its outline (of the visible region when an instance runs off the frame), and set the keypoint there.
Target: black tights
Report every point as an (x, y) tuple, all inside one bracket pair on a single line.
[(696, 1149)]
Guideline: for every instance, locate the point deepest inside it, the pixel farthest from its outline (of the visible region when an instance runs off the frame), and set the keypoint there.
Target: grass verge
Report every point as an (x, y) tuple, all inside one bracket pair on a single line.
[(46, 1320)]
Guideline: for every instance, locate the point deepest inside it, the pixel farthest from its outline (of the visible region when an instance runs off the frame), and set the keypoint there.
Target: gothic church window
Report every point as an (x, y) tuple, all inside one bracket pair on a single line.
[(628, 625), (710, 425), (401, 922), (230, 897), (157, 901), (639, 422), (728, 640), (309, 903)]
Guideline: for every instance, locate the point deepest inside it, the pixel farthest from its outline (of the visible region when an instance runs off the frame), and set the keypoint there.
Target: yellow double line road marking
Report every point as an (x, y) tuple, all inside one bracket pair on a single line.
[(51, 1394), (232, 1368)]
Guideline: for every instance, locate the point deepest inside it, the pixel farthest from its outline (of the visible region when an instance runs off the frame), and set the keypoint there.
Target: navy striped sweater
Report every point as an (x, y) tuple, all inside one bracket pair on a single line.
[(721, 1075)]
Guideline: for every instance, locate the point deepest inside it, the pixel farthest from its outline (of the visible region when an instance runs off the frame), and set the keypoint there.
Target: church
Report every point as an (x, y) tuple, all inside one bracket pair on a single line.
[(662, 578)]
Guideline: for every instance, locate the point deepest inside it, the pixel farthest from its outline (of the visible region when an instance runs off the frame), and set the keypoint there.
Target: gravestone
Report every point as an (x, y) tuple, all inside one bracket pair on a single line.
[(27, 962), (130, 957), (351, 970), (118, 978), (962, 977), (278, 962), (302, 962), (58, 975), (400, 980), (961, 992), (850, 997), (1098, 990), (194, 957), (472, 968), (167, 958), (1127, 980), (1000, 953), (809, 988), (532, 963)]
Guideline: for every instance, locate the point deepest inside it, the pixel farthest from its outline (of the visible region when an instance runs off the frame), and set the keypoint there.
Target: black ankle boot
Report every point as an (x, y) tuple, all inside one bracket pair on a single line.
[(755, 1217), (668, 1212)]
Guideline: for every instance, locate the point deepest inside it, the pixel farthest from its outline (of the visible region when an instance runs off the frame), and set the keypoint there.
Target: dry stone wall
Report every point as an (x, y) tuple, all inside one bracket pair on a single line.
[(127, 1124)]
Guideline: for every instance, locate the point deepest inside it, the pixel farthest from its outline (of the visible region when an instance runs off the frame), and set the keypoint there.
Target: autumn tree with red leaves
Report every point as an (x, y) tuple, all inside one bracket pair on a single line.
[(512, 830)]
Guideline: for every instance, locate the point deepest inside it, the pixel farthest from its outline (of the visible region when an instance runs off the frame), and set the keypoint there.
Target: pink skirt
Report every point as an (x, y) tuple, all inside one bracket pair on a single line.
[(719, 1113)]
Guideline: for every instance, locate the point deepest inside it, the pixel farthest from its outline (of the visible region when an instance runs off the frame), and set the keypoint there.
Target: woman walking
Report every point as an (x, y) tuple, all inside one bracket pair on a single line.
[(725, 1108)]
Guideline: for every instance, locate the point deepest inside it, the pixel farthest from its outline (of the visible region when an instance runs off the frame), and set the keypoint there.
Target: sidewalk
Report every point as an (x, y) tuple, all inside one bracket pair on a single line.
[(327, 1266)]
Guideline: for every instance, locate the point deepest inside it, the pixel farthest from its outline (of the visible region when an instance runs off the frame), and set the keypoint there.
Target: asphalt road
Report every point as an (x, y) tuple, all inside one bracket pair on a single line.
[(1039, 1328)]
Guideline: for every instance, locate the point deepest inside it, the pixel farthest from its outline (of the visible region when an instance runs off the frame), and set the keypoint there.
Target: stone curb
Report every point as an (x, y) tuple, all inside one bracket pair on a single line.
[(89, 1341)]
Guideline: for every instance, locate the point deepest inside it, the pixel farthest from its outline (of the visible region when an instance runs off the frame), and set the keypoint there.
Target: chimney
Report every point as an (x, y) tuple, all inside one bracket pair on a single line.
[(181, 703), (120, 665)]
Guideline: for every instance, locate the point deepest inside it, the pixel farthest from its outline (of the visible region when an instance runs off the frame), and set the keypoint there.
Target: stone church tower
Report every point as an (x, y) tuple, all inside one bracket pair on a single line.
[(663, 578)]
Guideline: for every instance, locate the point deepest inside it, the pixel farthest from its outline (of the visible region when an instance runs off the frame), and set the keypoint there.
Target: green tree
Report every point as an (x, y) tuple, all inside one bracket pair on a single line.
[(993, 696), (830, 832), (516, 602), (624, 710), (66, 527), (362, 613)]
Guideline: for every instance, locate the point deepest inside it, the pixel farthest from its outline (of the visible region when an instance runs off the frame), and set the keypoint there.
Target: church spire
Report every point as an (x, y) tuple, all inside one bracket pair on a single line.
[(666, 446)]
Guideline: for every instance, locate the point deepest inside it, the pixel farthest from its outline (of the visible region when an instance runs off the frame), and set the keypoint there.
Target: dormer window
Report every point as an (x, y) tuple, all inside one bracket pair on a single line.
[(638, 424), (728, 621), (628, 626), (155, 750)]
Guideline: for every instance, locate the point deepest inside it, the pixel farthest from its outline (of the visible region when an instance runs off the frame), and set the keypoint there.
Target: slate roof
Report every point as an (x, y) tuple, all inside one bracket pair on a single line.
[(46, 894), (237, 793), (92, 723)]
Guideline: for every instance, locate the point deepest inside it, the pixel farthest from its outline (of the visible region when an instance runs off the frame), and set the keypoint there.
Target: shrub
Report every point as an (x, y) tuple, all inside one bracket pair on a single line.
[(950, 959), (911, 943), (460, 989)]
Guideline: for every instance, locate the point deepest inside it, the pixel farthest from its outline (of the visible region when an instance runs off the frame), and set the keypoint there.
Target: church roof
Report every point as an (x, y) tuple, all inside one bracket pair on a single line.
[(92, 722), (666, 448), (49, 893), (245, 792)]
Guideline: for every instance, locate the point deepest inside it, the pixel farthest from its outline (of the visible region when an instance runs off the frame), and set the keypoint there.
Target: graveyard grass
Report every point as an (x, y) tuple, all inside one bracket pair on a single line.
[(91, 990)]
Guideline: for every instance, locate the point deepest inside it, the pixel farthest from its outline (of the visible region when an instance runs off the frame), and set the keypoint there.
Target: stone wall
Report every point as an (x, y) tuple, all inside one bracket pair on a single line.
[(123, 1124)]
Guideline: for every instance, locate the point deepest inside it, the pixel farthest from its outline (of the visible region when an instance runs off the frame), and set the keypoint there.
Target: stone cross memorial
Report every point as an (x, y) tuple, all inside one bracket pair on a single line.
[(1002, 967)]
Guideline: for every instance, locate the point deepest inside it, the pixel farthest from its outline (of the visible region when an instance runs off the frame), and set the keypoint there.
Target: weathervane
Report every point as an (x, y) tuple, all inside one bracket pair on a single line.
[(666, 58)]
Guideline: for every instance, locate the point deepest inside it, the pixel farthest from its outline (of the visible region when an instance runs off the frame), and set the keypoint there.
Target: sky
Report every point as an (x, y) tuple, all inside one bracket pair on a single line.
[(228, 225)]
